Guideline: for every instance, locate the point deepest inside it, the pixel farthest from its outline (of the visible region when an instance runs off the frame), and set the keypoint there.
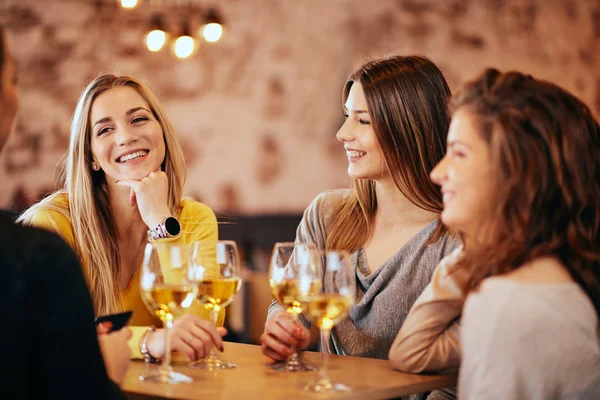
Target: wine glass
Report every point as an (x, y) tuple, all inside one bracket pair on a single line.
[(216, 273), (327, 308), (286, 261), (167, 292)]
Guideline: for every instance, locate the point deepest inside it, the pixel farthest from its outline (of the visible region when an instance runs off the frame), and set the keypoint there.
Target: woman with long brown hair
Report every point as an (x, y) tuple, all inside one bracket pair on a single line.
[(521, 183), (394, 134)]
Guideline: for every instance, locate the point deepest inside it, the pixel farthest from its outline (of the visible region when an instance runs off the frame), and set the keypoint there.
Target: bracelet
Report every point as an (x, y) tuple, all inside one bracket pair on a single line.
[(144, 347)]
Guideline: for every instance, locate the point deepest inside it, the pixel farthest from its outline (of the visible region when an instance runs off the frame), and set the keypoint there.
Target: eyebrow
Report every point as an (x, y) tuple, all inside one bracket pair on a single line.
[(356, 111), (453, 143), (128, 112)]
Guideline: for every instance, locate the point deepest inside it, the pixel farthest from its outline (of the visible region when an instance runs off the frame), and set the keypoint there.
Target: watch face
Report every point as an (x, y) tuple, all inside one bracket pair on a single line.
[(172, 226)]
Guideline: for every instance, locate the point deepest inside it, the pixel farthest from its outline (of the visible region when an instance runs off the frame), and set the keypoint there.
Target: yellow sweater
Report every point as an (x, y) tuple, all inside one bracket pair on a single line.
[(198, 222)]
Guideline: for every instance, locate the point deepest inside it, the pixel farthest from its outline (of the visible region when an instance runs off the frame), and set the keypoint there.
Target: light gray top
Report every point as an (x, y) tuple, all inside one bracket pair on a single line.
[(385, 296), (524, 341)]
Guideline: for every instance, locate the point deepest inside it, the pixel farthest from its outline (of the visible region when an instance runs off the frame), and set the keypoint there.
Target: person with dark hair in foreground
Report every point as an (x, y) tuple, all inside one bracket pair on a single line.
[(51, 346)]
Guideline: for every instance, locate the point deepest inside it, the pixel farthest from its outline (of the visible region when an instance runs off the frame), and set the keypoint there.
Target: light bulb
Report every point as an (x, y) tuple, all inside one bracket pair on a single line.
[(212, 32), (129, 3), (155, 40), (184, 46)]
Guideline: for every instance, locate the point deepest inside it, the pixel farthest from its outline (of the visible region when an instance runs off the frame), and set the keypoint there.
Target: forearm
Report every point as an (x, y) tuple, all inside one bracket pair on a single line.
[(429, 339)]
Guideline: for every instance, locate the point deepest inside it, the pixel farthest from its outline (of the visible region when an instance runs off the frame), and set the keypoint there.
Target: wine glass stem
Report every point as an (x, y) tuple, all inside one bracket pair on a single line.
[(214, 316), (165, 367), (325, 336), (294, 359)]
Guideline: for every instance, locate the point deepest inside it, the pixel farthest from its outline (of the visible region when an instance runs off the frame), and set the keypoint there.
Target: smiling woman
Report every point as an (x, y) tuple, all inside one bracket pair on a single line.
[(124, 175)]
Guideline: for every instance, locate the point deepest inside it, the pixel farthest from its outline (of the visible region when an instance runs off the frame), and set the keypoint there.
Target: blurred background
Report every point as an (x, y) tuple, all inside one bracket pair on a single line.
[(256, 96)]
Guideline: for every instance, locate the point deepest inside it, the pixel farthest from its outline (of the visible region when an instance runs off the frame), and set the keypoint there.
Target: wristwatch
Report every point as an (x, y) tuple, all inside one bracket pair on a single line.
[(144, 347), (168, 228)]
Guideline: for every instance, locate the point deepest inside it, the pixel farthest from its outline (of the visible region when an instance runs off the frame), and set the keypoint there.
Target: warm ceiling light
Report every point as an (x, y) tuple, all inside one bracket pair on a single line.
[(213, 26), (185, 44), (129, 3), (212, 32), (156, 38)]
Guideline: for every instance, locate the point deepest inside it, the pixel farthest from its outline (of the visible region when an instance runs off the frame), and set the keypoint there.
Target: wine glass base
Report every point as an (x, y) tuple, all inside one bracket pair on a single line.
[(171, 377), (286, 366), (326, 386), (212, 365)]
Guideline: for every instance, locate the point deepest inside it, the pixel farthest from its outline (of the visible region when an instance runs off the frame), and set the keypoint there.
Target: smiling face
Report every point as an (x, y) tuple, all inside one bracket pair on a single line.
[(464, 175), (127, 140), (365, 158)]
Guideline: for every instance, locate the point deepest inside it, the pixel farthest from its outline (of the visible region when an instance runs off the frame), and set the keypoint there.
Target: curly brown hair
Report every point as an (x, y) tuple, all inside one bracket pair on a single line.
[(545, 147)]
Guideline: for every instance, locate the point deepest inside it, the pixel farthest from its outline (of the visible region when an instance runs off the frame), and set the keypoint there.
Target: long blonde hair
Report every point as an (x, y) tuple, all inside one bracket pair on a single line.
[(407, 98), (94, 231)]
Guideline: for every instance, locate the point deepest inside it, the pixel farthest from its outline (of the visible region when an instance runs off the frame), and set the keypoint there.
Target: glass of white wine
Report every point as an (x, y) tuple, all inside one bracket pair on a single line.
[(287, 260), (328, 308), (167, 292), (216, 272)]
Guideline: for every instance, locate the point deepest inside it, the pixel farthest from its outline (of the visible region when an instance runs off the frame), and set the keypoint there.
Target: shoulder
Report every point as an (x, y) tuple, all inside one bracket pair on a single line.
[(55, 206), (328, 202), (191, 208), (538, 310), (51, 214)]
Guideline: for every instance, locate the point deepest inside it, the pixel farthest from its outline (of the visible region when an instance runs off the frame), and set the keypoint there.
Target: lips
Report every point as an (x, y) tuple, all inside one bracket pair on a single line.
[(131, 155), (447, 195)]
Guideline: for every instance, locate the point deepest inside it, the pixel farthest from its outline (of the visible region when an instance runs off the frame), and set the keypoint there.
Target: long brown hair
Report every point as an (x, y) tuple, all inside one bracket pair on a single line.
[(2, 51), (94, 230), (545, 154), (407, 99)]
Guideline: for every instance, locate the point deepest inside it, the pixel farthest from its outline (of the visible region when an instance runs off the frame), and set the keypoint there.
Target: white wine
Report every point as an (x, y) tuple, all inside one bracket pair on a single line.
[(218, 292), (169, 299), (287, 291), (325, 309)]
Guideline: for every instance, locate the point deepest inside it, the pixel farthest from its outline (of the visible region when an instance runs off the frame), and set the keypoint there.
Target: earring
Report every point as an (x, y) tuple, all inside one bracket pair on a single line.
[(95, 167)]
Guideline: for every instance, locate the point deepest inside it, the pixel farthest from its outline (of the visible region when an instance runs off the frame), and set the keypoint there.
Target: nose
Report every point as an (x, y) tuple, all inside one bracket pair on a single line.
[(345, 133), (439, 173), (125, 135)]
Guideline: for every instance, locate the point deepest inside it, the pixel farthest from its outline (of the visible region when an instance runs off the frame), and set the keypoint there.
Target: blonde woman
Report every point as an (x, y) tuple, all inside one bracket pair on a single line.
[(123, 183)]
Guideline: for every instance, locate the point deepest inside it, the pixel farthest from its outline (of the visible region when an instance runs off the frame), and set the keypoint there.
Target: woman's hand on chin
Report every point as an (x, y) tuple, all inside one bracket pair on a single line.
[(151, 196)]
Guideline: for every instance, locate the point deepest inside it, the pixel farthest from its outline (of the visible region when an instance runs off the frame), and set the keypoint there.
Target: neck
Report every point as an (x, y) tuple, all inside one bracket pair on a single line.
[(127, 219), (394, 208)]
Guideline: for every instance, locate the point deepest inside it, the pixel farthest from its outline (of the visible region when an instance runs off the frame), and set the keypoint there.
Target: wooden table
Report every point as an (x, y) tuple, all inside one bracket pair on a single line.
[(369, 379)]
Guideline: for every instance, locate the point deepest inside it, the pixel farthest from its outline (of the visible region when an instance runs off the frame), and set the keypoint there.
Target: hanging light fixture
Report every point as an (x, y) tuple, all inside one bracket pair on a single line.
[(185, 44), (129, 4), (157, 36), (212, 30)]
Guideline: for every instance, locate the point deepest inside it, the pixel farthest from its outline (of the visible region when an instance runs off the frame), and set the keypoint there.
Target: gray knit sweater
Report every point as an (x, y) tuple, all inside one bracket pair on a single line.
[(384, 296)]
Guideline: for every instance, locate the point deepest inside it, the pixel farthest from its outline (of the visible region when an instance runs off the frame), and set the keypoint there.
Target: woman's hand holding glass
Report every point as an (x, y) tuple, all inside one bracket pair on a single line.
[(284, 335), (168, 292), (191, 335)]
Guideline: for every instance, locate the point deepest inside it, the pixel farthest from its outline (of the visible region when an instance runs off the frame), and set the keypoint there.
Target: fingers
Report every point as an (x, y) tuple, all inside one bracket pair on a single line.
[(132, 198), (103, 328), (284, 336), (273, 348), (211, 331), (179, 344)]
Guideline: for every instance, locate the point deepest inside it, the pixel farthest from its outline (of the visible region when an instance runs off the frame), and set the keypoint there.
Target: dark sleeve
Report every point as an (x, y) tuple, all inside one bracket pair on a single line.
[(61, 312)]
